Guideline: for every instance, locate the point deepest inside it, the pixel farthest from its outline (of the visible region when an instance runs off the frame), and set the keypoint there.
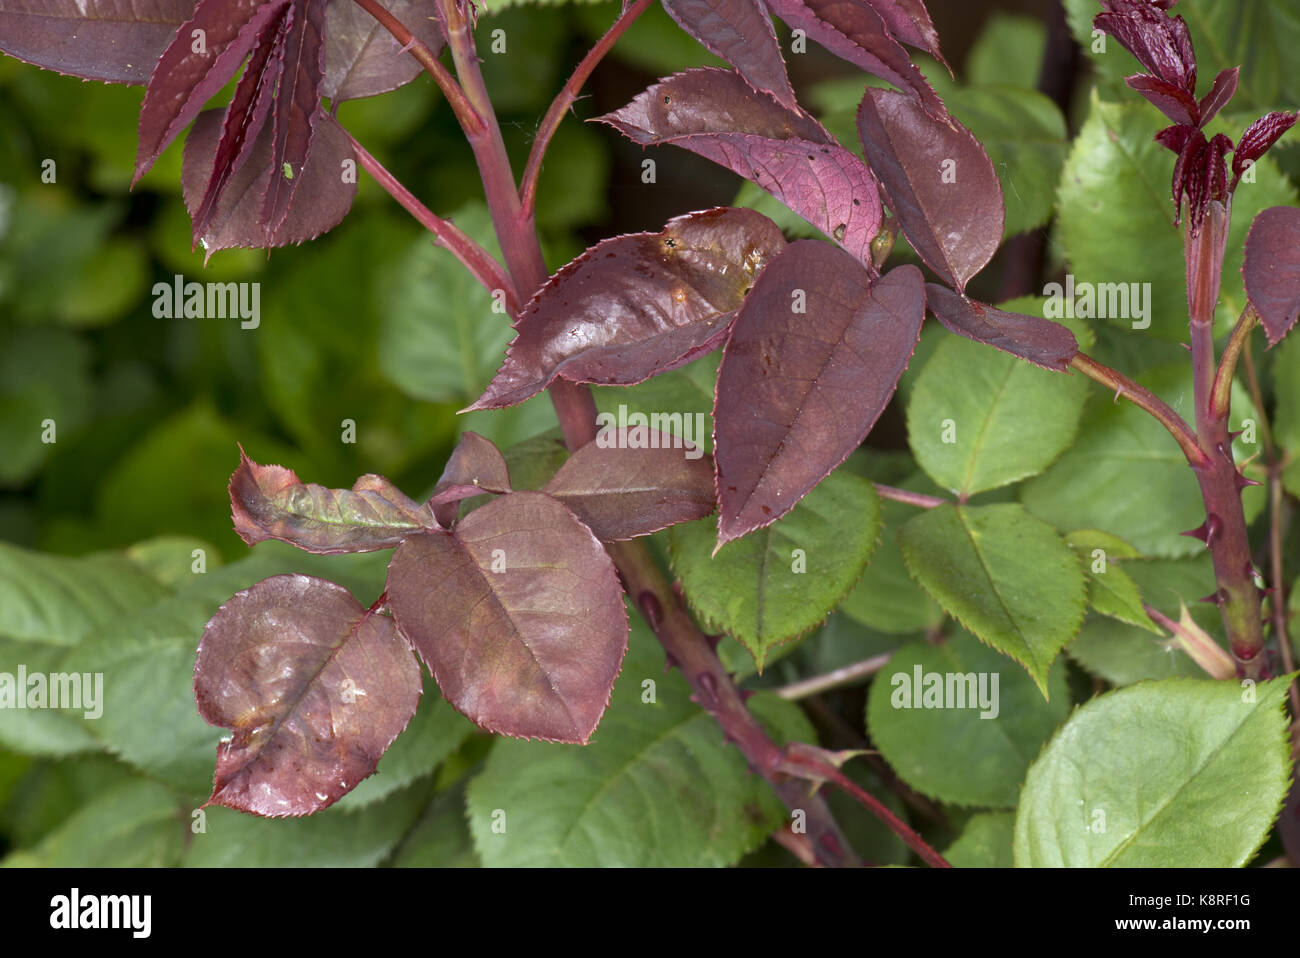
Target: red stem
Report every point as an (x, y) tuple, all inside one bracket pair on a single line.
[(565, 99)]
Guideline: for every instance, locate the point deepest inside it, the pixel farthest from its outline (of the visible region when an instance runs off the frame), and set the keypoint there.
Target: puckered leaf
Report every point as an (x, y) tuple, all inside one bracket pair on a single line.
[(362, 58), (1041, 341), (519, 615), (476, 466), (1160, 43), (939, 181), (271, 502), (716, 114), (857, 32), (205, 53), (634, 481), (741, 33), (636, 305), (1271, 269), (314, 687), (782, 580), (1198, 787), (117, 41), (1003, 574), (324, 195), (1259, 136), (813, 359)]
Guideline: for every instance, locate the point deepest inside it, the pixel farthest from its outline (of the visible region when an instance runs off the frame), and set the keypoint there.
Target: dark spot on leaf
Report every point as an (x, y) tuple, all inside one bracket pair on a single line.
[(767, 511)]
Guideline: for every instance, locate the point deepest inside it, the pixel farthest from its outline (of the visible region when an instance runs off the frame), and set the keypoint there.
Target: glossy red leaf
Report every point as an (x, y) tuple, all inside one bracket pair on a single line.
[(1034, 338), (636, 305), (740, 32), (1259, 136), (207, 51), (362, 58), (1161, 43), (716, 114), (322, 199), (519, 615), (634, 481), (297, 107), (313, 687), (799, 390), (1271, 269), (116, 41), (476, 466), (939, 182), (854, 31), (909, 21), (1173, 101), (1221, 92), (271, 502)]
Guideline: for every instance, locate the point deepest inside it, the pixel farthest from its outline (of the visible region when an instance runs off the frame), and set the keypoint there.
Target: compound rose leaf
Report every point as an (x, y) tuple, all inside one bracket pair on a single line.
[(636, 305), (271, 502), (1038, 340), (939, 181), (116, 41), (476, 466), (313, 686), (813, 359), (717, 115), (320, 202), (740, 32), (361, 57), (1271, 269), (633, 481), (519, 615)]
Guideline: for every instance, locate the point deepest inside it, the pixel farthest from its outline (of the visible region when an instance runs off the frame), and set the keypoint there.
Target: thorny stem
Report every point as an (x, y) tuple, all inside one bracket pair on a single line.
[(473, 257), (468, 117), (685, 645), (565, 99), (1121, 385)]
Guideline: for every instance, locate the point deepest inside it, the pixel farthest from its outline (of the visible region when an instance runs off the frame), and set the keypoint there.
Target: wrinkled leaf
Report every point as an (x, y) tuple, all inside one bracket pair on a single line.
[(1198, 785), (271, 502), (716, 114), (939, 181), (813, 359), (519, 615), (634, 481), (636, 305), (1271, 269), (314, 687)]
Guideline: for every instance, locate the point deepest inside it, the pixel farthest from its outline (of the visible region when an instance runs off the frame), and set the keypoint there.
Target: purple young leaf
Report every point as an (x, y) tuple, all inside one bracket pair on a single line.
[(1259, 136), (518, 614), (321, 201), (1173, 101), (1161, 43), (205, 54), (116, 41), (313, 686), (635, 481), (297, 107), (1222, 91), (1271, 269), (813, 358), (271, 502), (361, 57), (939, 181), (854, 31), (740, 32), (636, 305), (909, 22), (1038, 340), (716, 114), (476, 467)]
